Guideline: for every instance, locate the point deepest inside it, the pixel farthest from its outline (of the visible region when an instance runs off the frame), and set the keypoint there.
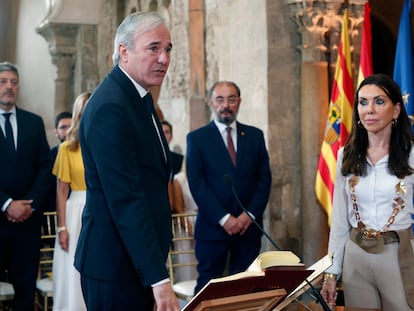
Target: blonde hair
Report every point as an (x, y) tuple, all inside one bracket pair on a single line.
[(78, 106)]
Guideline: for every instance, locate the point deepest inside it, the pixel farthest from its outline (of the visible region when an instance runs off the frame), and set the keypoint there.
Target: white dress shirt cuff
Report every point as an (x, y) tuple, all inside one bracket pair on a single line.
[(160, 282), (6, 205), (223, 220)]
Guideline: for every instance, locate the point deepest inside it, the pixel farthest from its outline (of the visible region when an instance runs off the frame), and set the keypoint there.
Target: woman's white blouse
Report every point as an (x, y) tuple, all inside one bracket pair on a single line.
[(374, 195)]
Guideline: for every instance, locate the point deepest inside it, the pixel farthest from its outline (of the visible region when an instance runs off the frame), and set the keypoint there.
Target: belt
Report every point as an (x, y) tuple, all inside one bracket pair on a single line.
[(388, 236)]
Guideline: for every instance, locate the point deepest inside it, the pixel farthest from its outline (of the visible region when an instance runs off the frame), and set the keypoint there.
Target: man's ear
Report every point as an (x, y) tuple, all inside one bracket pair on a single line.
[(123, 52)]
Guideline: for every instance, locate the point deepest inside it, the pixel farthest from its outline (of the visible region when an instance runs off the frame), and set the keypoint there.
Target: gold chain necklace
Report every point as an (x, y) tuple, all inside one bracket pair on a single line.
[(397, 205)]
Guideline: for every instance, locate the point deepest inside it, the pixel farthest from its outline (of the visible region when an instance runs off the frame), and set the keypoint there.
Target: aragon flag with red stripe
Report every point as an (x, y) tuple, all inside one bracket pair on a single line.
[(339, 121)]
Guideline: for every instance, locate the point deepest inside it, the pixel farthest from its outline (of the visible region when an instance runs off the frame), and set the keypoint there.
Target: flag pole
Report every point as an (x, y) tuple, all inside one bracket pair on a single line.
[(346, 3)]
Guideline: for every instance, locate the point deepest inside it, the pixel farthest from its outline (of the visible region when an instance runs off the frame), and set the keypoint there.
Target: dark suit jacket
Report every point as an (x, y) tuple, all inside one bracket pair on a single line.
[(51, 196), (176, 162), (126, 222), (25, 174), (208, 161)]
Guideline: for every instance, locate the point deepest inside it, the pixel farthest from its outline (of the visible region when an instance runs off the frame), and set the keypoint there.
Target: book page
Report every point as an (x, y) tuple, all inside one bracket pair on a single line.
[(240, 275), (274, 259)]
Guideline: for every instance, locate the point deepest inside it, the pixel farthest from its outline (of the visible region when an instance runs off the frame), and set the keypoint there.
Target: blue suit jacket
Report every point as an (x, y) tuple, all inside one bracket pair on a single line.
[(208, 161), (126, 222)]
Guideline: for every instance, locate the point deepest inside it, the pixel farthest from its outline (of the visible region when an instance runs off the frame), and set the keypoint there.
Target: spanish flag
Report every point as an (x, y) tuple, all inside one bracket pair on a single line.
[(339, 121), (365, 63)]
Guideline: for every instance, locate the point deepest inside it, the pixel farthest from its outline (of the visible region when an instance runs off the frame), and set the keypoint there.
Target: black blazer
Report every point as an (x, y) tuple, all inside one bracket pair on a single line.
[(208, 161), (126, 222), (25, 174)]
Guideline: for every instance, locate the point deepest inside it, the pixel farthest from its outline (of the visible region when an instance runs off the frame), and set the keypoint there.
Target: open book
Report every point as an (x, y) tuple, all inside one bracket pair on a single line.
[(269, 271)]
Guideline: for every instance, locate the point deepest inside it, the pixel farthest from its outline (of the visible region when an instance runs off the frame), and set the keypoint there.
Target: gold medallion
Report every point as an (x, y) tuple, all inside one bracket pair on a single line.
[(401, 188)]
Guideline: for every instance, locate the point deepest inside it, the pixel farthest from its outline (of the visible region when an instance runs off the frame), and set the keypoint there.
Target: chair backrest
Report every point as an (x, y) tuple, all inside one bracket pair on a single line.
[(6, 292), (181, 258), (48, 236)]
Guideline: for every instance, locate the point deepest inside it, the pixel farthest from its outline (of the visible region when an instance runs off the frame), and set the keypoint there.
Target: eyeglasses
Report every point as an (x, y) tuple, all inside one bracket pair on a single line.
[(231, 100)]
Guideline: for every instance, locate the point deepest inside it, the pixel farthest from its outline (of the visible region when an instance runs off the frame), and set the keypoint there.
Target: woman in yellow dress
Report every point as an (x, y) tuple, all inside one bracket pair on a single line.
[(70, 200)]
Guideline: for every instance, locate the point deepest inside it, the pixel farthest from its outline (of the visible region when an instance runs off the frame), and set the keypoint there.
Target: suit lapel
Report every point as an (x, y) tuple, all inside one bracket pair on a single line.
[(127, 85)]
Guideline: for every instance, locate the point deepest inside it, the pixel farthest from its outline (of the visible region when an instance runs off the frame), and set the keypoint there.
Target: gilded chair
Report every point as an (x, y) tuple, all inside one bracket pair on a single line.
[(44, 283), (182, 263)]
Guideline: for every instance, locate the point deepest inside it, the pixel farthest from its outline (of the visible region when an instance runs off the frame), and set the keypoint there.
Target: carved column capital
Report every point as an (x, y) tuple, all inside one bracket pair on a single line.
[(319, 19), (61, 38), (313, 22), (64, 63)]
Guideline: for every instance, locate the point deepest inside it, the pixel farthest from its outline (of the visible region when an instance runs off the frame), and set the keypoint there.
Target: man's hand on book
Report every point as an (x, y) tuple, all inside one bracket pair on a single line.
[(245, 222)]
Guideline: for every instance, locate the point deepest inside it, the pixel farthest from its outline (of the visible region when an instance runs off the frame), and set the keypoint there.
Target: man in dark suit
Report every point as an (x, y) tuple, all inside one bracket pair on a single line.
[(24, 182), (217, 162), (62, 124), (126, 222)]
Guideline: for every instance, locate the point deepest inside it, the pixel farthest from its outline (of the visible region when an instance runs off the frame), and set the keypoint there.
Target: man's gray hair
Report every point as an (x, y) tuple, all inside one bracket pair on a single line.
[(133, 24), (7, 66)]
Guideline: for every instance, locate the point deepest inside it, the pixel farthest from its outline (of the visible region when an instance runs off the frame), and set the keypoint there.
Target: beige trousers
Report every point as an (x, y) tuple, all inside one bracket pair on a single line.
[(373, 280)]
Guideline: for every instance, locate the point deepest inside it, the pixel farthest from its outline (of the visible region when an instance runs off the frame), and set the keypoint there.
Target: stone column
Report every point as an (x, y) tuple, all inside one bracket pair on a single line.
[(86, 68), (319, 23), (313, 26), (62, 47), (197, 107)]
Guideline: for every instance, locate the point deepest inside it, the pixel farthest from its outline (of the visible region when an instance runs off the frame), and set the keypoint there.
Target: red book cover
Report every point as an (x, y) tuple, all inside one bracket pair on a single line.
[(282, 277)]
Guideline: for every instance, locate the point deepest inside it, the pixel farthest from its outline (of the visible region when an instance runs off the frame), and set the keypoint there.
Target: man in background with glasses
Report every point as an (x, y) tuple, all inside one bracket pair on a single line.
[(62, 124), (227, 161)]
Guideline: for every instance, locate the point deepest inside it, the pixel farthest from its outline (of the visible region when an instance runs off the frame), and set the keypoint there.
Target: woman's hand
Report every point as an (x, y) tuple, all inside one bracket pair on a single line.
[(329, 293), (64, 240)]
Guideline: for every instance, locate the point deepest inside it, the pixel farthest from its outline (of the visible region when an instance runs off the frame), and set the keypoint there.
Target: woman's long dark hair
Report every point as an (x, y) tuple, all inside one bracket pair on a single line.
[(355, 149)]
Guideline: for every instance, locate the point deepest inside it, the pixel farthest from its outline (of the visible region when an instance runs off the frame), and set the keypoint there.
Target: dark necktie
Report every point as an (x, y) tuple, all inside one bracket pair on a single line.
[(9, 132), (149, 103), (150, 106), (230, 146)]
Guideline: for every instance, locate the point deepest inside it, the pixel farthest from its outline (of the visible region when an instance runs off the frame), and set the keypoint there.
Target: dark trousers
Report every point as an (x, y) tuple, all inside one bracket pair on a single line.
[(213, 255), (127, 295), (19, 255)]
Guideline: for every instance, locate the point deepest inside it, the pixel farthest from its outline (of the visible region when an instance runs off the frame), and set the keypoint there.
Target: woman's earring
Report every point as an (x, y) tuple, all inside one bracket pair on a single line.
[(360, 124), (394, 122)]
